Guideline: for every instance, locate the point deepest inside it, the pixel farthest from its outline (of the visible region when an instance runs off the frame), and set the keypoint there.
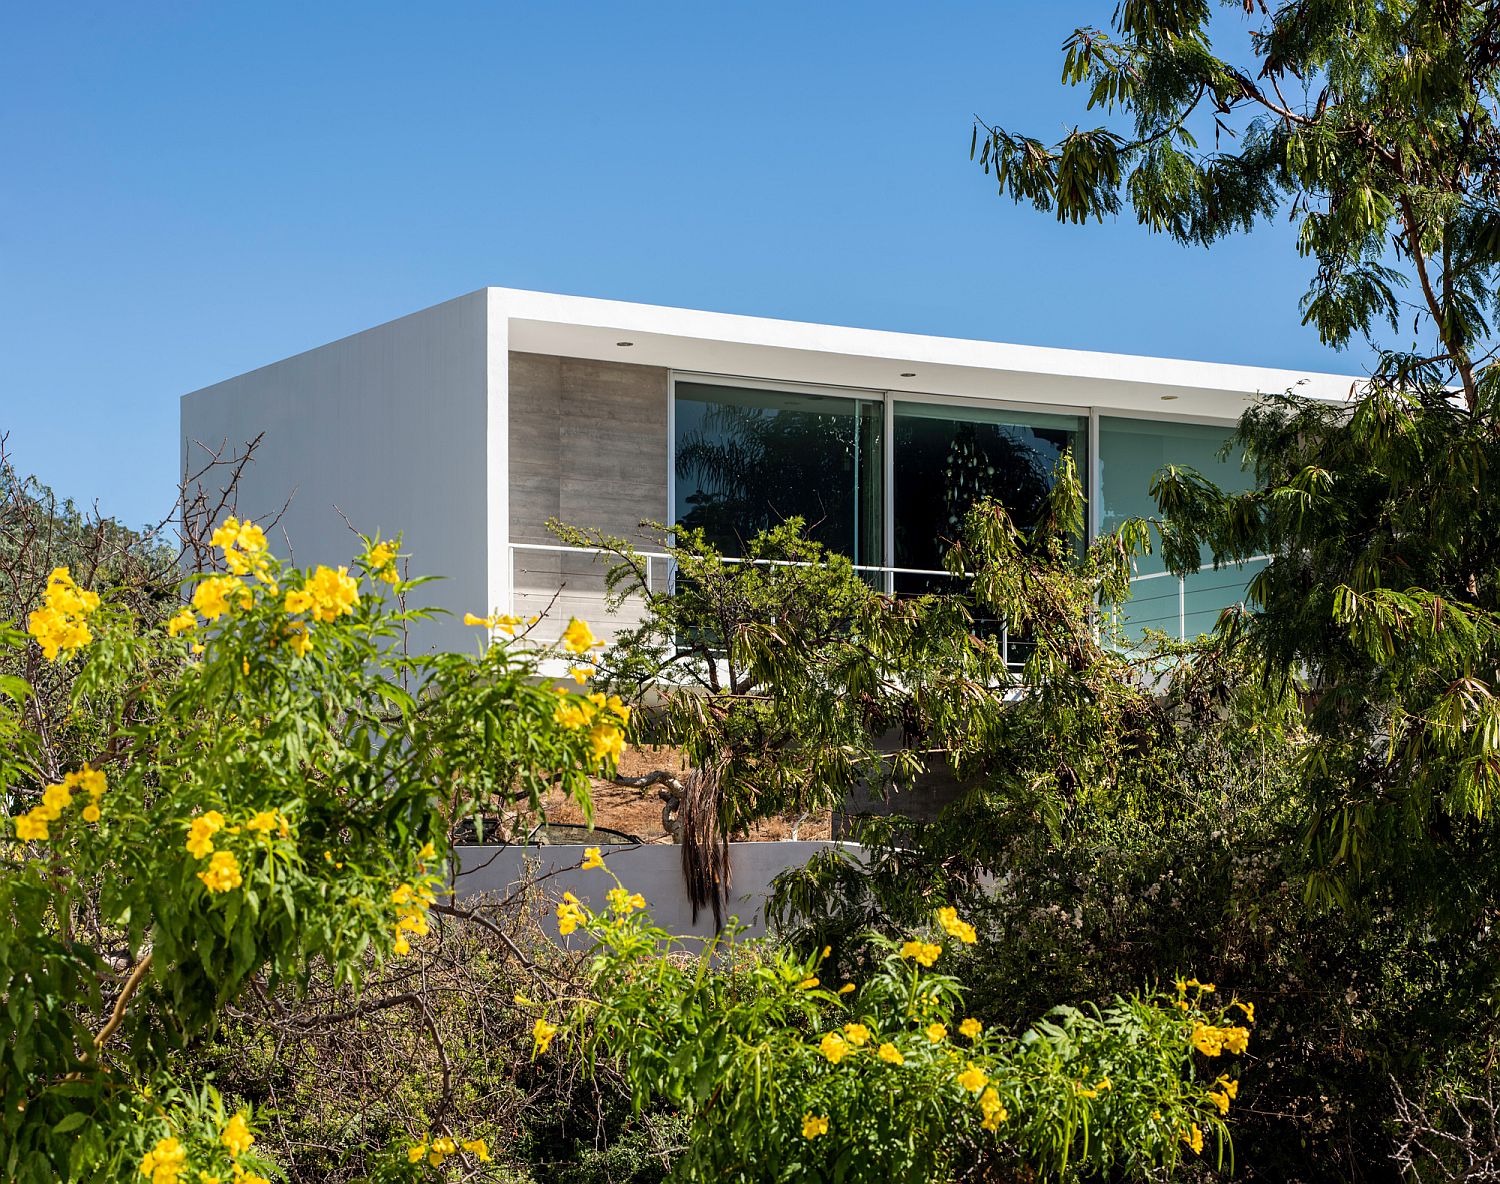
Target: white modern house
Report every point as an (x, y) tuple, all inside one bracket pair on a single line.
[(468, 425)]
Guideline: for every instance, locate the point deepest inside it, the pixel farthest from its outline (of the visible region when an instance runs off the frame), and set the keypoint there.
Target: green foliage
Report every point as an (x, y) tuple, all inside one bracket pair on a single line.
[(784, 1077), (1373, 126), (273, 792)]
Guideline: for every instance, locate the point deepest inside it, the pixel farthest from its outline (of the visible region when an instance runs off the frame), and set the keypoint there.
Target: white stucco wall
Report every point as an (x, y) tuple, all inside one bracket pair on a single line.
[(391, 427), (652, 869)]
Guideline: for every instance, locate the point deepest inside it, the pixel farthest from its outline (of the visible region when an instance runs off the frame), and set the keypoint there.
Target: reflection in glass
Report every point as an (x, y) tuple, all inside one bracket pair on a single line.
[(747, 460), (947, 458), (1131, 451)]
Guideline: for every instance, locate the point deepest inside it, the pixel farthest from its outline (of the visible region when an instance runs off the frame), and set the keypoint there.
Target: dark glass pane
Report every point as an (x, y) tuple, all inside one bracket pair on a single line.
[(947, 458), (749, 459)]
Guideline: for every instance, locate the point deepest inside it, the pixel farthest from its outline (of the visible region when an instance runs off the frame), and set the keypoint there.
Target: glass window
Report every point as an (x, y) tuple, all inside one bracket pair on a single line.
[(747, 460), (1131, 451), (947, 458)]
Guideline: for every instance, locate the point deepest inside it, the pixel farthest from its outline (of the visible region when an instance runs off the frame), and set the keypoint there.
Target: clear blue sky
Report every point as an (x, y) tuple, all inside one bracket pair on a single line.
[(190, 190)]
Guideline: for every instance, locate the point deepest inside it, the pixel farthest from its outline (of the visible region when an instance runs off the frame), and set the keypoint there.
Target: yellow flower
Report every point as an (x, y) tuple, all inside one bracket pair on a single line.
[(211, 597), (297, 637), (992, 1108), (606, 742), (264, 821), (578, 638), (416, 1152), (833, 1047), (236, 1135), (846, 988), (1230, 1087), (814, 1125), (937, 1033), (222, 873), (164, 1162), (382, 561), (1247, 1008), (184, 620), (60, 624), (55, 799), (953, 927), (31, 826), (591, 859), (924, 952), (1236, 1039), (808, 983), (298, 600), (973, 1078), (569, 915), (478, 1149), (543, 1032), (970, 1028), (475, 622), (91, 813), (858, 1034), (334, 593), (1207, 1039), (400, 947), (581, 674), (1194, 1140), (1221, 1100), (889, 1053), (201, 830)]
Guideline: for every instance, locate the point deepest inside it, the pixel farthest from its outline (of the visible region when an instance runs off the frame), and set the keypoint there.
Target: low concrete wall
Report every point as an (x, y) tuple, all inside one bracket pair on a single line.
[(653, 869)]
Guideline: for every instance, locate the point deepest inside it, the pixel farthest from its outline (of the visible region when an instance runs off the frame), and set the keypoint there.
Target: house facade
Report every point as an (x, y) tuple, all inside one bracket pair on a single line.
[(470, 424)]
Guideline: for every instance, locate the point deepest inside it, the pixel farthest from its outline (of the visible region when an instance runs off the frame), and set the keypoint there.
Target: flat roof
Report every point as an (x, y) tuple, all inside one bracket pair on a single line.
[(762, 348)]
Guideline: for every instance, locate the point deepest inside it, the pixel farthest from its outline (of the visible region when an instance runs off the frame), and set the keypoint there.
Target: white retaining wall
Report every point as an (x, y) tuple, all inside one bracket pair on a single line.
[(652, 869)]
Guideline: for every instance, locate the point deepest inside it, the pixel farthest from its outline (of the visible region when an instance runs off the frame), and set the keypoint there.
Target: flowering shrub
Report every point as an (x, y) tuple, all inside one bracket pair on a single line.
[(788, 1077), (282, 797)]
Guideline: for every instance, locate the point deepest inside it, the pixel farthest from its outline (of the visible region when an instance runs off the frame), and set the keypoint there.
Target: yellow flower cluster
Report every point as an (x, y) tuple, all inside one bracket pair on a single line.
[(1194, 1140), (382, 561), (434, 1151), (1092, 1091), (953, 927), (833, 1047), (924, 952), (937, 1033), (543, 1032), (164, 1162), (857, 1034), (578, 638), (992, 1109), (591, 859), (973, 1078), (212, 597), (56, 798), (201, 831), (624, 903), (889, 1053), (504, 622), (606, 718), (1211, 1040), (244, 547), (1228, 1089), (412, 902), (970, 1028), (222, 873), (60, 626), (570, 914), (814, 1125), (327, 594)]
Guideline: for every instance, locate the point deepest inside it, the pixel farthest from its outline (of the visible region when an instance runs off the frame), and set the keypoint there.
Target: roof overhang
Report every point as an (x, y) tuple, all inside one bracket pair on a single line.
[(728, 345)]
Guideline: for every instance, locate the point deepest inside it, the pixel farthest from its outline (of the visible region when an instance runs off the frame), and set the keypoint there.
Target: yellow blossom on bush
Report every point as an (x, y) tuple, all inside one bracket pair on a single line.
[(973, 1078), (334, 593), (1194, 1140), (953, 927), (581, 674), (857, 1033), (222, 873), (298, 600), (937, 1033), (578, 638), (624, 902), (181, 622), (591, 859), (923, 952), (570, 914), (846, 988), (201, 830), (60, 625), (164, 1162), (814, 1125), (479, 1149), (808, 983), (211, 597), (606, 742), (1247, 1008), (543, 1032), (889, 1053), (265, 821), (992, 1108), (970, 1028), (31, 826), (833, 1047), (382, 561), (236, 1135)]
